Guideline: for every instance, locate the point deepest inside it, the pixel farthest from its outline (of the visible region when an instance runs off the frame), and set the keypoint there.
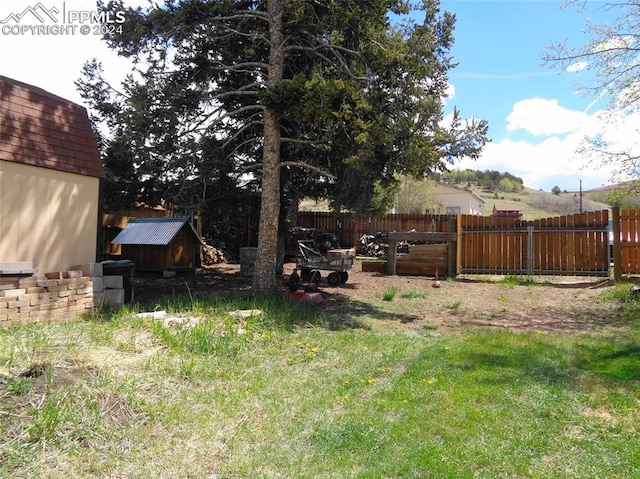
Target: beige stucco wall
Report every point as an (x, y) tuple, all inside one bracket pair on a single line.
[(47, 216), (452, 197)]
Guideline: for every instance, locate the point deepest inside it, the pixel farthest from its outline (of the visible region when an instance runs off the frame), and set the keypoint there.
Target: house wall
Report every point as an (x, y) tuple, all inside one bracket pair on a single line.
[(47, 216), (452, 197)]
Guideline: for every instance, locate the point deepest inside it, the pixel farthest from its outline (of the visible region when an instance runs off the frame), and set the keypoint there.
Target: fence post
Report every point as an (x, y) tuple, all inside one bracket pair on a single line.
[(617, 247), (530, 250), (458, 231), (452, 250), (392, 257)]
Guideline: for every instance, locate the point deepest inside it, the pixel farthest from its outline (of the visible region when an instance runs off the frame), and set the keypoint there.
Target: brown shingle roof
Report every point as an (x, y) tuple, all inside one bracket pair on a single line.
[(41, 129)]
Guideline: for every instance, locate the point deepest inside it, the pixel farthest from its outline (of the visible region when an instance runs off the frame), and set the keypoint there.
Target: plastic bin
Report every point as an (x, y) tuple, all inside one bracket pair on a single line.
[(247, 260)]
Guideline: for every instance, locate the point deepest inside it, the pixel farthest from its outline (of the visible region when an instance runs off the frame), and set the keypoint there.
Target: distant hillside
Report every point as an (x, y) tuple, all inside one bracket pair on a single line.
[(536, 204), (507, 192), (482, 179), (533, 204), (625, 195)]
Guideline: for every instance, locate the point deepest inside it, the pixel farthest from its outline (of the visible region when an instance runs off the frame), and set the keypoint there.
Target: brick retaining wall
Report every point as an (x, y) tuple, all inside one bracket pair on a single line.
[(42, 299)]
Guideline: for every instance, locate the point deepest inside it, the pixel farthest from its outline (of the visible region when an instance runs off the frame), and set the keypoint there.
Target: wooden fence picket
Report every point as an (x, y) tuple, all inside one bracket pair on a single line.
[(629, 241), (568, 245)]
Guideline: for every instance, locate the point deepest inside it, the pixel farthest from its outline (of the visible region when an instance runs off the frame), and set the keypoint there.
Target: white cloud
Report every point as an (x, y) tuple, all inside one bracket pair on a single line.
[(540, 116), (450, 92), (576, 67), (554, 160)]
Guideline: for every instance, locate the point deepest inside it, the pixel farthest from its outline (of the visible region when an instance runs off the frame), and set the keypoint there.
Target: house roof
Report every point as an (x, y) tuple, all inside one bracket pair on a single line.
[(509, 213), (153, 231), (40, 129)]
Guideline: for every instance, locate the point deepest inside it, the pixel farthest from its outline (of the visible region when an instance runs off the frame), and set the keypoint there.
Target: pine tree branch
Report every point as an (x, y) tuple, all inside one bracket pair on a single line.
[(300, 141), (306, 166)]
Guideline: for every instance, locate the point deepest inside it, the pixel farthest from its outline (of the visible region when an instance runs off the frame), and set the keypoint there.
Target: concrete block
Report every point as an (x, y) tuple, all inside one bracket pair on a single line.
[(114, 297), (98, 283), (89, 269), (168, 274), (112, 282), (98, 298), (17, 267)]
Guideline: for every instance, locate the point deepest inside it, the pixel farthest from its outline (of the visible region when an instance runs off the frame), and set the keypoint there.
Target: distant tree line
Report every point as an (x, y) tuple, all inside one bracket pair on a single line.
[(487, 180)]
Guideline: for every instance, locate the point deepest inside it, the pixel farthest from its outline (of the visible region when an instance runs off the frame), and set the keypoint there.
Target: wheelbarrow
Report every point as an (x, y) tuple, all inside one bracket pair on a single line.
[(310, 262)]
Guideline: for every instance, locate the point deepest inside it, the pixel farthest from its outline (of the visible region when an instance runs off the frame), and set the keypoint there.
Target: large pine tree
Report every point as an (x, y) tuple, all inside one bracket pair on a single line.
[(335, 97)]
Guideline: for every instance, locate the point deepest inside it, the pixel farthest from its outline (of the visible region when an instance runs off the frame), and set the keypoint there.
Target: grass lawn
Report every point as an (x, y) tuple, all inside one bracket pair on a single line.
[(288, 395)]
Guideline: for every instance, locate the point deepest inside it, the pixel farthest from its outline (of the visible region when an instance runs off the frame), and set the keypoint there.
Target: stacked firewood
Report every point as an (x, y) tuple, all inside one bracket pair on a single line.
[(373, 246), (376, 246), (213, 255)]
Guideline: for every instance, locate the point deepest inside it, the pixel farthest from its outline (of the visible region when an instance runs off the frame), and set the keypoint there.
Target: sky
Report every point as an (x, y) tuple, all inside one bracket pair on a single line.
[(536, 115)]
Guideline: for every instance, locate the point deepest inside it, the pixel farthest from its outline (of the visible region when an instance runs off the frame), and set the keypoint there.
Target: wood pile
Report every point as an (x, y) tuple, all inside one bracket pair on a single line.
[(212, 255), (376, 246), (373, 246)]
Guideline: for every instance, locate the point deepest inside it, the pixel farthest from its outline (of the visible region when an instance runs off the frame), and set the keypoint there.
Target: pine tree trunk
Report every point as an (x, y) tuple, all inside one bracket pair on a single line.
[(265, 278)]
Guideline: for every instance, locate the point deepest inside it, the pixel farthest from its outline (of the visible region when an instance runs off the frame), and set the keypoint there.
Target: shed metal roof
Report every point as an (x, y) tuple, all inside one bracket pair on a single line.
[(152, 231)]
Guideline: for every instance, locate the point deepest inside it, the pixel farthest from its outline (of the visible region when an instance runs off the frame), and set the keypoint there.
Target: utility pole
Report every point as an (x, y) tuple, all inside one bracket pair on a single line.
[(580, 196)]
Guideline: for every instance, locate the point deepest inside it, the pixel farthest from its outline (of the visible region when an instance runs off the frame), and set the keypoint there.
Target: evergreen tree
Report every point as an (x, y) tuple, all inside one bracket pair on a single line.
[(325, 97)]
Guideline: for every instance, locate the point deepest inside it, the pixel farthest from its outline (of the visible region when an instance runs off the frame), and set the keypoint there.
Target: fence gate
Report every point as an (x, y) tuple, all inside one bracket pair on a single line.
[(626, 241), (568, 245)]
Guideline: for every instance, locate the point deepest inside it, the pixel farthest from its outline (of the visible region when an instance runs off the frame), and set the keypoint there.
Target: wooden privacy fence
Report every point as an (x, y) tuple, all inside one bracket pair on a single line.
[(626, 241), (567, 245), (348, 228)]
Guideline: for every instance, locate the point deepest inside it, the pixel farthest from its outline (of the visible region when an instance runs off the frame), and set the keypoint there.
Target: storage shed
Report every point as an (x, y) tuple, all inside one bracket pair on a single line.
[(160, 244), (50, 180)]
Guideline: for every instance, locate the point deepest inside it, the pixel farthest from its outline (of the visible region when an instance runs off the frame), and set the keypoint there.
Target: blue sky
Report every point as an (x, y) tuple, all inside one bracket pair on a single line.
[(536, 115)]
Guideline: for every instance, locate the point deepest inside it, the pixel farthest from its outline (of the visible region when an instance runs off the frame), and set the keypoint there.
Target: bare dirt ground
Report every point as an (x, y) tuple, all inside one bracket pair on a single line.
[(552, 304)]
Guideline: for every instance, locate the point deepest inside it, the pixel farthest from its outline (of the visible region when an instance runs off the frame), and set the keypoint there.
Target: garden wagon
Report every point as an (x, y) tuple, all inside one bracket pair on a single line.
[(310, 261)]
